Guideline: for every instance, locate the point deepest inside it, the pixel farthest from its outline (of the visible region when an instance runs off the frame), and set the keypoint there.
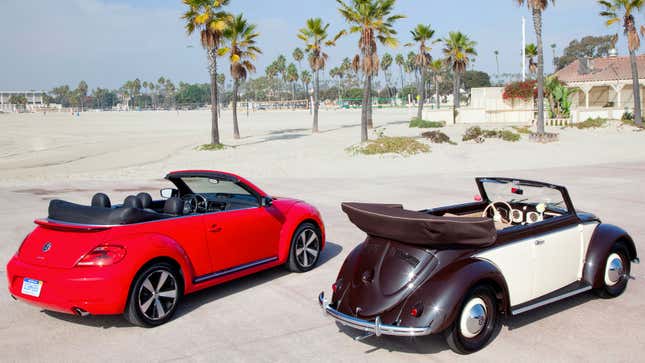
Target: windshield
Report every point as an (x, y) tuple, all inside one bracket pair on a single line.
[(203, 185), (527, 193)]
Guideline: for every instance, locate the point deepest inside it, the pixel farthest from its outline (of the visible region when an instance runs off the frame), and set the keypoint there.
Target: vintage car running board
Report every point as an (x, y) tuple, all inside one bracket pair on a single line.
[(572, 289)]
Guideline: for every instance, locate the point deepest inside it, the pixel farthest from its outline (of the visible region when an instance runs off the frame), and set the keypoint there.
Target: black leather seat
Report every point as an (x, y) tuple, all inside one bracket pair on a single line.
[(101, 200), (146, 201), (174, 206), (132, 202)]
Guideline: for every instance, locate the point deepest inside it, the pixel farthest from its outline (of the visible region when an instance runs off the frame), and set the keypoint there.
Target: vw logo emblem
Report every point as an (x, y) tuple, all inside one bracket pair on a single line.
[(47, 246)]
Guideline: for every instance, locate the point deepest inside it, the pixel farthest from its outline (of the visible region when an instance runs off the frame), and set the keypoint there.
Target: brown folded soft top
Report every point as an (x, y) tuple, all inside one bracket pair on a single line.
[(391, 221)]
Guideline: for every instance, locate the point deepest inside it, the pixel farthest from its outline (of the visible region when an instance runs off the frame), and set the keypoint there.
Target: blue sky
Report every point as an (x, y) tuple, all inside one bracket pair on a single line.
[(105, 42)]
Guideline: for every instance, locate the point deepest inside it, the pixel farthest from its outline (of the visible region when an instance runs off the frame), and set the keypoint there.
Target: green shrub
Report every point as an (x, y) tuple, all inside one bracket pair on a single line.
[(478, 134), (508, 135), (391, 145), (472, 133), (423, 124), (438, 137), (522, 129), (590, 123), (627, 116), (210, 147)]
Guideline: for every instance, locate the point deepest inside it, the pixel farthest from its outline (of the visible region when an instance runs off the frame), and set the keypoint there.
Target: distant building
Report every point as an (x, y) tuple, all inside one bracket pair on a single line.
[(606, 83), (34, 99)]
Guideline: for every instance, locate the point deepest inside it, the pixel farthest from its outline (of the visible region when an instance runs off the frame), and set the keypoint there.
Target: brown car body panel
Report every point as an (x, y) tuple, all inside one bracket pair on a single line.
[(602, 240)]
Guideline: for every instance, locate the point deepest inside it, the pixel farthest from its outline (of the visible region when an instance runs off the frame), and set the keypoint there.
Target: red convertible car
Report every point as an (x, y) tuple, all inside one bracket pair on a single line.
[(140, 257)]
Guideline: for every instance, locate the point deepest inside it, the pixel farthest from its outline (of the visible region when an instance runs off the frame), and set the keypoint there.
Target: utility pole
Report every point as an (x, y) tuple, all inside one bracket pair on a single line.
[(523, 49)]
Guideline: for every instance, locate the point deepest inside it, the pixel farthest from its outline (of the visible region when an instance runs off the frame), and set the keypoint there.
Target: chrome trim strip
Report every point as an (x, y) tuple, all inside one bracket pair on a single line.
[(231, 270), (375, 327), (551, 300)]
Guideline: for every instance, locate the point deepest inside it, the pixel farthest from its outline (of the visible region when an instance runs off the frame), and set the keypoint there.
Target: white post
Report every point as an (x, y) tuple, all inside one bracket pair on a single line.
[(523, 49)]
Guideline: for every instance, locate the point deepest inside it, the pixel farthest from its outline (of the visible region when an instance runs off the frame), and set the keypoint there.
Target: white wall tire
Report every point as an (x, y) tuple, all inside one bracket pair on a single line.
[(615, 273)]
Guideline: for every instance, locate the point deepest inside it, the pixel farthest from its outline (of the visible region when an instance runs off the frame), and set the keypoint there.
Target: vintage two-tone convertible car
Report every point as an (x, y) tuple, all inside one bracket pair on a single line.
[(140, 257), (457, 270)]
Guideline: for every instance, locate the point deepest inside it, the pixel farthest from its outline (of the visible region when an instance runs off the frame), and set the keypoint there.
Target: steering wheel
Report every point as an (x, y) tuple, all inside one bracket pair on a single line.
[(195, 203), (497, 216)]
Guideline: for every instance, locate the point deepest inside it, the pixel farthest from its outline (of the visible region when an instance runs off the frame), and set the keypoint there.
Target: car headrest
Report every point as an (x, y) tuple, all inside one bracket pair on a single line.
[(132, 202), (174, 206), (145, 199), (101, 200)]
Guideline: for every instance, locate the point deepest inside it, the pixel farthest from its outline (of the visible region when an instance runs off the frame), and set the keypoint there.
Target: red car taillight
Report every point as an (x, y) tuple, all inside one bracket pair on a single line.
[(104, 255)]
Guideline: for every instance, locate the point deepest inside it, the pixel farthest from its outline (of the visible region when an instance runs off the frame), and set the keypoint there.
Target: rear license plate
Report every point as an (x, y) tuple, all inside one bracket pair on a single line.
[(31, 287)]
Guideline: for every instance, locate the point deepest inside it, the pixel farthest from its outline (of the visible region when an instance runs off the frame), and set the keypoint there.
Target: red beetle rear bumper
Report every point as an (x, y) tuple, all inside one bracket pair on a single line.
[(95, 290)]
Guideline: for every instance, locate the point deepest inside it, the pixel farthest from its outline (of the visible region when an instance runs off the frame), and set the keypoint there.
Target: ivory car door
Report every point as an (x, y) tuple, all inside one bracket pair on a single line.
[(516, 262), (558, 259)]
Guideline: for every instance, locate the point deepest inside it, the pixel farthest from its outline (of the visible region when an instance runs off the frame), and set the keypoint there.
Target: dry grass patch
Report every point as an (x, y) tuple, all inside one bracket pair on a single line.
[(210, 147), (399, 145), (424, 124), (438, 137)]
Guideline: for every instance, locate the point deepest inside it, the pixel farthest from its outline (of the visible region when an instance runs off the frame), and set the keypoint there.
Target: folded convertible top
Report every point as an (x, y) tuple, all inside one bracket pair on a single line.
[(60, 210), (391, 221)]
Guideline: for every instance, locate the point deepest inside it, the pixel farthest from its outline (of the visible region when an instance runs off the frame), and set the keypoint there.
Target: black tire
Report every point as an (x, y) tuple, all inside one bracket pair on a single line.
[(157, 301), (610, 291), (297, 262), (456, 338)]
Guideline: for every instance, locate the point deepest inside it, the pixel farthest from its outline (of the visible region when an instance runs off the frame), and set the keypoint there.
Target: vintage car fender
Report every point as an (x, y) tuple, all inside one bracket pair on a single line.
[(602, 240), (142, 248), (299, 213), (442, 294)]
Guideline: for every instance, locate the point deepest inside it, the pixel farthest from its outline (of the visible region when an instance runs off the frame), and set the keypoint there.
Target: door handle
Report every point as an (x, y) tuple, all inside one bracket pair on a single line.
[(215, 228), (539, 242)]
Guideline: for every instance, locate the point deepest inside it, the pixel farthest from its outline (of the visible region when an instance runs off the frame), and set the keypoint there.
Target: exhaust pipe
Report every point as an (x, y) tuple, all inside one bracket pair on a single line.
[(80, 312)]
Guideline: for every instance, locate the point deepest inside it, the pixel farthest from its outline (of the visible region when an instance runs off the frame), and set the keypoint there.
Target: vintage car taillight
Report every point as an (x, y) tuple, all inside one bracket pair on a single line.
[(103, 255), (416, 310), (337, 285)]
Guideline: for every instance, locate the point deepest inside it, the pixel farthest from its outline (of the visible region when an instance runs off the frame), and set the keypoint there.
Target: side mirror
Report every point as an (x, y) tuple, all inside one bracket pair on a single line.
[(168, 193), (266, 201)]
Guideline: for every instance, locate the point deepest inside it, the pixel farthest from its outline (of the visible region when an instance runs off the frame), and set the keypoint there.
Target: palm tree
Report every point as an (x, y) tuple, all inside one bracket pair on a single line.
[(386, 63), (336, 72), (314, 34), (421, 35), (374, 21), (436, 66), (305, 77), (292, 77), (82, 93), (457, 51), (531, 52), (298, 55), (553, 47), (207, 17), (241, 49), (622, 10), (497, 60), (537, 7), (400, 61)]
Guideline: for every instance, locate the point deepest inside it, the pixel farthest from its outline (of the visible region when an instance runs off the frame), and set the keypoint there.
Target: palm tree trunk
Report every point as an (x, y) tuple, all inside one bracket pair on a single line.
[(455, 90), (421, 91), (401, 71), (638, 118), (236, 128), (364, 111), (212, 69), (436, 93), (316, 100), (293, 95), (537, 24), (370, 121)]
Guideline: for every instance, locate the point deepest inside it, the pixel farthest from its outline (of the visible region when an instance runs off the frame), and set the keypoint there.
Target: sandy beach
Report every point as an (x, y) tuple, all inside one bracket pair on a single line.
[(64, 156)]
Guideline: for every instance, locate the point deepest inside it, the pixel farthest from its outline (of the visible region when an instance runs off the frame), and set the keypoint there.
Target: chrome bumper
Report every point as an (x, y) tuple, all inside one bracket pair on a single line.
[(373, 327)]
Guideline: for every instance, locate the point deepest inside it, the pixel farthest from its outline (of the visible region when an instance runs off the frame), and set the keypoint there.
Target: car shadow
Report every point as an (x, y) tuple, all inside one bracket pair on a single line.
[(529, 317), (435, 343), (203, 297)]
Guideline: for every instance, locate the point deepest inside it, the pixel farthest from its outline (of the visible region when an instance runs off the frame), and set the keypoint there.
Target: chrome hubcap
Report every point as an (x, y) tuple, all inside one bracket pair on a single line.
[(158, 295), (614, 269), (307, 247), (473, 318)]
